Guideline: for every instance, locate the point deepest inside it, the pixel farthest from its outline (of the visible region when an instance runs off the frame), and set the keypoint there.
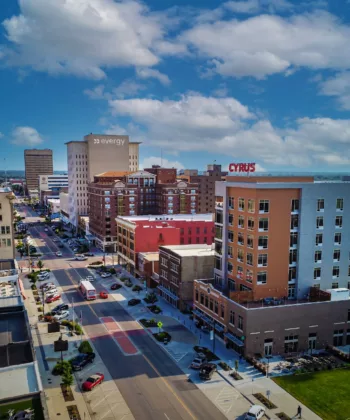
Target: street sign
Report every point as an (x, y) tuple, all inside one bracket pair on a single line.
[(243, 338), (160, 324)]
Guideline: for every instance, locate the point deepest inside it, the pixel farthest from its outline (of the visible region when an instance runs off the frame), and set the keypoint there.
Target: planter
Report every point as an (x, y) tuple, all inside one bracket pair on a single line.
[(267, 403), (208, 354), (154, 309), (162, 337), (73, 412), (236, 376), (67, 393), (224, 366), (283, 416), (148, 323)]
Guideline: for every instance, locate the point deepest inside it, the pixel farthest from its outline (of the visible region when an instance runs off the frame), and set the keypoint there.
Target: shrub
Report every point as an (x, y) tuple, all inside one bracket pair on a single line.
[(136, 288), (123, 278), (67, 377), (162, 336), (112, 270), (96, 263), (61, 367), (85, 347), (40, 309), (224, 366)]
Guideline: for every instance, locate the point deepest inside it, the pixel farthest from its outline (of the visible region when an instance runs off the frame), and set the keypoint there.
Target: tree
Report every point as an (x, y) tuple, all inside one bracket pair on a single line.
[(67, 377), (40, 265), (85, 347)]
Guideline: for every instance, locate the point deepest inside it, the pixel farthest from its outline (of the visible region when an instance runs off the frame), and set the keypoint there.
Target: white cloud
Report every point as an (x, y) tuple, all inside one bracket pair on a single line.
[(338, 86), (26, 136), (98, 92), (1, 135), (221, 91), (165, 163), (248, 6), (128, 88), (146, 73), (267, 44), (82, 37), (223, 126)]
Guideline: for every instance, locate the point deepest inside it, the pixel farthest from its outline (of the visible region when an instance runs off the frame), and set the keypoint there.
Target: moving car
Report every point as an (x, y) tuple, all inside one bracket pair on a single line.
[(255, 412), (207, 371), (106, 274), (92, 381), (197, 362), (58, 254), (103, 295), (53, 298), (134, 302), (61, 315), (116, 286), (82, 360)]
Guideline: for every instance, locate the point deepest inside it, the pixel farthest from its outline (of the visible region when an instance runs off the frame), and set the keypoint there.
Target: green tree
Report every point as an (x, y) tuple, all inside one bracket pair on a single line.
[(85, 347), (40, 265), (67, 377)]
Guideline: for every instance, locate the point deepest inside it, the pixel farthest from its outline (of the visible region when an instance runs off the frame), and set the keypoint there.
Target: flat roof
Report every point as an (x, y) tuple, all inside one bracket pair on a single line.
[(111, 174), (150, 256), (191, 250), (20, 380), (206, 217)]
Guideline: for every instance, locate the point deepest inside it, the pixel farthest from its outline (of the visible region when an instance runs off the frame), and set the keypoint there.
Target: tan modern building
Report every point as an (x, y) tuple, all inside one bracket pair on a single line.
[(7, 243), (96, 154), (37, 162)]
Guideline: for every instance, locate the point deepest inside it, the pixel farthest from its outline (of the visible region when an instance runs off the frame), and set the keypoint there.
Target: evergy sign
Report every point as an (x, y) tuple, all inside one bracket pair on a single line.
[(242, 167), (117, 142)]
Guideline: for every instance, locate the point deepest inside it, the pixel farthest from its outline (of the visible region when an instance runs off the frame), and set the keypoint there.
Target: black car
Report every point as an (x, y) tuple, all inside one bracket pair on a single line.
[(207, 371), (89, 254), (59, 308), (82, 360), (116, 286), (134, 302), (60, 246)]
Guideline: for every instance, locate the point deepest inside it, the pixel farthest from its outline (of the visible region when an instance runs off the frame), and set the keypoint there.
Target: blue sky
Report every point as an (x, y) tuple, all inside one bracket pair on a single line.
[(264, 81)]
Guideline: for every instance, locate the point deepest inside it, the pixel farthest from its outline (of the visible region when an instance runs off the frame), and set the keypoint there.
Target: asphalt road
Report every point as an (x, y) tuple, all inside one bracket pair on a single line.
[(151, 383)]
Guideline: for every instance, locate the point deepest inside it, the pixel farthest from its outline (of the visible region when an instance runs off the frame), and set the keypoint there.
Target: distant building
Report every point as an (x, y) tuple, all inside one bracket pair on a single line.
[(50, 186), (64, 207), (37, 162), (142, 234), (179, 265), (7, 243), (97, 153)]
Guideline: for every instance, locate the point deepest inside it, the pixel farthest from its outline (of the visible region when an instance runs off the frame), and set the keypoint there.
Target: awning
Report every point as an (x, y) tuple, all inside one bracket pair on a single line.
[(234, 339), (209, 320), (168, 292), (219, 328)]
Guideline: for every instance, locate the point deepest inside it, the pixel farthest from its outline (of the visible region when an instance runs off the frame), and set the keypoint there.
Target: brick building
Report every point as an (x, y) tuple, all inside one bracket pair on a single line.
[(141, 234)]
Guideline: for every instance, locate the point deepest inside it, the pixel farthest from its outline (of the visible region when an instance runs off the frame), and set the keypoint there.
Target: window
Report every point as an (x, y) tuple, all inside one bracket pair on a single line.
[(263, 224), (229, 251), (222, 311), (250, 223), (8, 231), (240, 238), (293, 239), (340, 204), (319, 239), (241, 204), (317, 273), (218, 263), (230, 219), (229, 267), (291, 344), (336, 255), (319, 222), (318, 256), (339, 221), (240, 323), (338, 337), (263, 242), (164, 262), (216, 307), (348, 275), (337, 238), (250, 241), (240, 255), (231, 203), (262, 260), (295, 205), (239, 271), (294, 221), (251, 206), (249, 258), (241, 222), (196, 297), (320, 204), (264, 206), (292, 273), (249, 276), (164, 274), (174, 267), (232, 318), (230, 236), (335, 272), (261, 277), (293, 256)]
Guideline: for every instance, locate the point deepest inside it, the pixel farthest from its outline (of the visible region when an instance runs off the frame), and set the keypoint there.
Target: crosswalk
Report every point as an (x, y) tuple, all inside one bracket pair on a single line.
[(177, 356), (226, 398)]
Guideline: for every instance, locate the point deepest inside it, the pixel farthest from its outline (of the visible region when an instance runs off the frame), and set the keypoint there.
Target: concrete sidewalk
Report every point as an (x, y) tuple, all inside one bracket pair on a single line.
[(185, 335)]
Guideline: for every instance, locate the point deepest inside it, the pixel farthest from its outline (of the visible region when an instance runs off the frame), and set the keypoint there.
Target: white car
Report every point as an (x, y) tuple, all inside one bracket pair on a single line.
[(51, 292), (80, 258), (61, 315), (58, 254), (46, 229), (44, 275), (255, 412), (105, 275)]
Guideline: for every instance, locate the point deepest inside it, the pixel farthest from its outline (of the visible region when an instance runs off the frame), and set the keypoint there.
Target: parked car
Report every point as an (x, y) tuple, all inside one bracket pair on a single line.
[(75, 249), (49, 234), (59, 308), (58, 254), (90, 278), (45, 285), (92, 381), (53, 298), (43, 275), (207, 370), (106, 274), (60, 245), (103, 295), (49, 287), (80, 258), (55, 239), (197, 362), (89, 254), (61, 315), (46, 229), (51, 292), (116, 286), (134, 302), (82, 360), (255, 412)]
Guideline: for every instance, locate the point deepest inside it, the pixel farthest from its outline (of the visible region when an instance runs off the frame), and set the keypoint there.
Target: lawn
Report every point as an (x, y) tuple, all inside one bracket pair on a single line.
[(23, 405), (326, 393)]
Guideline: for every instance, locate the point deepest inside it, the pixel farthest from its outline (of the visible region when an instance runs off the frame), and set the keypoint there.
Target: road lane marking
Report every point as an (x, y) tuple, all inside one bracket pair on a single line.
[(166, 416)]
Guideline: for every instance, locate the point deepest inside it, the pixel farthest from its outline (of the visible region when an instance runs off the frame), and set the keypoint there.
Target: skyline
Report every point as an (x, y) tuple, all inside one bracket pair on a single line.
[(257, 80)]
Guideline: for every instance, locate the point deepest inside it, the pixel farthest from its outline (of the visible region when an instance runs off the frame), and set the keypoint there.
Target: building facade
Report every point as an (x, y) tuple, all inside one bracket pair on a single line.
[(179, 265), (137, 234), (37, 162), (7, 243), (50, 186), (92, 156), (206, 185)]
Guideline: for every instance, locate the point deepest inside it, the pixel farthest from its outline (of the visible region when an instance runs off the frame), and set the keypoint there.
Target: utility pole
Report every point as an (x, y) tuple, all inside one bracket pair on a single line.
[(73, 312), (81, 327), (214, 337)]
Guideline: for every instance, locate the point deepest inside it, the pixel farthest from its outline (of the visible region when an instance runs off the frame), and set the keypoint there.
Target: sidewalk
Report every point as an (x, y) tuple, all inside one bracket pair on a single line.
[(185, 335)]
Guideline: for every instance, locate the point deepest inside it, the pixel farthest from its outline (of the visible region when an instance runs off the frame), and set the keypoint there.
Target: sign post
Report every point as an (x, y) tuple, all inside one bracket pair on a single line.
[(160, 324)]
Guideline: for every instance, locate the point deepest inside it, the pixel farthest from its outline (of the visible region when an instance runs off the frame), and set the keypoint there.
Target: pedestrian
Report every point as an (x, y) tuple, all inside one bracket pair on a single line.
[(299, 411)]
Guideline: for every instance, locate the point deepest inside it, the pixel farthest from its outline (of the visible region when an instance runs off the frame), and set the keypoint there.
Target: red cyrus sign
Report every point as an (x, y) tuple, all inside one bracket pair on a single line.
[(242, 167)]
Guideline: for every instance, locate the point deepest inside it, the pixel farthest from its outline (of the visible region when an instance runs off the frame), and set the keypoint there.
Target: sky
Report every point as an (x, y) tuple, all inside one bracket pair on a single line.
[(197, 82)]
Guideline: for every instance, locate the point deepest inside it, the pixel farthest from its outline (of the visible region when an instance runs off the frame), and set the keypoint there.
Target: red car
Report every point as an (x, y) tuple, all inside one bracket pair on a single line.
[(53, 298), (103, 295), (92, 381)]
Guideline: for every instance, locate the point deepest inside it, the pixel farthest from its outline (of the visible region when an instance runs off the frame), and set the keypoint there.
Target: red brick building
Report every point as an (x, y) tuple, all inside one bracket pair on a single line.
[(141, 234)]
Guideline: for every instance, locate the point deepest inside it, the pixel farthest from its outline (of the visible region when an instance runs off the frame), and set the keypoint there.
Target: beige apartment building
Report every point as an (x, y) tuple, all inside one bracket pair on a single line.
[(37, 162), (7, 243)]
